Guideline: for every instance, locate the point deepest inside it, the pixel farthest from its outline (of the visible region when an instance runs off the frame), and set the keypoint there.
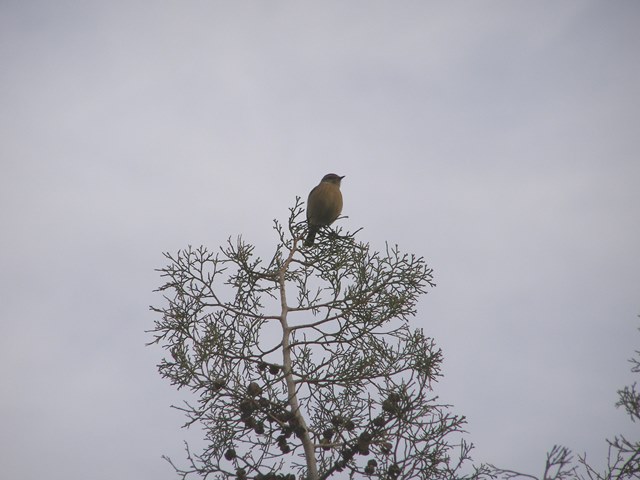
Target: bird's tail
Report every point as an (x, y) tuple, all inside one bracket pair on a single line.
[(311, 236)]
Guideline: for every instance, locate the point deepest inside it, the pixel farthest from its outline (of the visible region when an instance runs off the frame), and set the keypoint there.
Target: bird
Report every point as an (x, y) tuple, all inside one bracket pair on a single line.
[(324, 205)]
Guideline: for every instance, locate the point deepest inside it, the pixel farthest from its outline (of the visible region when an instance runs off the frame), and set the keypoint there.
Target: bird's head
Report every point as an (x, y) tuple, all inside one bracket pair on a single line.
[(333, 178)]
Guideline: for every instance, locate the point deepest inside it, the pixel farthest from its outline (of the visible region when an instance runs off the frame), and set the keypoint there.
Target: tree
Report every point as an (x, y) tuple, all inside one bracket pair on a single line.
[(623, 460), (306, 366)]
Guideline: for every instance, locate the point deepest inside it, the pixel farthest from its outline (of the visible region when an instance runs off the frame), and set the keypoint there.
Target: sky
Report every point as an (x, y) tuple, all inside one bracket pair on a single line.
[(498, 139)]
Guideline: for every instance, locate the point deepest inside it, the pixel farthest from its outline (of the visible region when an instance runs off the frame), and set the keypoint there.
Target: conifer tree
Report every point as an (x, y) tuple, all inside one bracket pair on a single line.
[(306, 366)]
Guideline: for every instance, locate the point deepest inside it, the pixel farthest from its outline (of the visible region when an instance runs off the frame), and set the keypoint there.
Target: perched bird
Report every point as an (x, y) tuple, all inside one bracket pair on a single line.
[(324, 205)]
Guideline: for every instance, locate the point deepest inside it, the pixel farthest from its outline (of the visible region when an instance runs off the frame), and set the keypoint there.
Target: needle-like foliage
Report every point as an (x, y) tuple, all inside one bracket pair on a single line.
[(306, 366)]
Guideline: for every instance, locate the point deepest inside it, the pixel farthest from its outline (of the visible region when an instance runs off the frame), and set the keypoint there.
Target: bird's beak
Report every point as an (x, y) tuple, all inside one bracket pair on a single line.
[(342, 177)]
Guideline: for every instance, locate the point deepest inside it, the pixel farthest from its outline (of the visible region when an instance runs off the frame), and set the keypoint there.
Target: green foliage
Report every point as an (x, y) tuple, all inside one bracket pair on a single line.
[(306, 366)]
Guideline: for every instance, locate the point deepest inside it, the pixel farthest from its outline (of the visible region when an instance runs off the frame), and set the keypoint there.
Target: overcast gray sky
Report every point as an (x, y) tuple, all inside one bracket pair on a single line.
[(499, 139)]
